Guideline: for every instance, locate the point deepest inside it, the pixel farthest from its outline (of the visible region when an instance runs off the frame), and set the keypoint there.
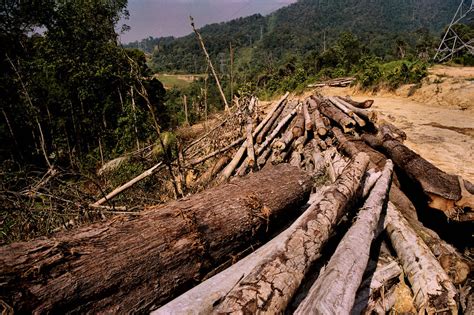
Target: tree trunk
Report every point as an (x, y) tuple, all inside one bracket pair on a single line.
[(128, 266), (298, 127), (270, 286), (307, 117), (336, 115), (319, 125), (335, 289), (336, 102), (268, 126), (250, 147), (207, 176), (445, 192), (434, 290), (368, 115), (364, 104), (276, 131)]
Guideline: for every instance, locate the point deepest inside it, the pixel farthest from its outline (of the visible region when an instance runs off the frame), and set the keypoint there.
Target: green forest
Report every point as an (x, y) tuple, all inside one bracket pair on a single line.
[(72, 97)]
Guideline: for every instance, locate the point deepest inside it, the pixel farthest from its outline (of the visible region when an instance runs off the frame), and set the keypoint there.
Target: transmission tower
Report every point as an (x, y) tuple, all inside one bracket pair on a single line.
[(452, 42)]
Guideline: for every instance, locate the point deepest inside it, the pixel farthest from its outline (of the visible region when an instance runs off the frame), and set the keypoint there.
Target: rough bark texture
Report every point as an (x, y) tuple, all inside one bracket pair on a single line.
[(433, 289), (207, 176), (335, 289), (271, 122), (134, 265), (298, 128), (319, 125), (307, 117), (271, 285), (365, 104), (445, 192), (383, 277), (250, 147), (368, 115), (336, 115), (338, 103)]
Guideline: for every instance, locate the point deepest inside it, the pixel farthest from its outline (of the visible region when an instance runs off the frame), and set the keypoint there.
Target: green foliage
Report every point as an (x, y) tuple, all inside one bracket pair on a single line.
[(72, 84)]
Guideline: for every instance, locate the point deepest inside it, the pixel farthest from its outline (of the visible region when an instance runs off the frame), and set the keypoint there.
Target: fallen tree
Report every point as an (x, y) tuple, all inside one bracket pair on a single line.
[(134, 265), (346, 267), (445, 192), (270, 286)]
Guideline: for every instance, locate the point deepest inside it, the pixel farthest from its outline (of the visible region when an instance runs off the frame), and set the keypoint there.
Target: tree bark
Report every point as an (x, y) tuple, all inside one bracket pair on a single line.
[(128, 266), (276, 131), (368, 115), (207, 176), (268, 126), (433, 289), (250, 147), (335, 289), (336, 102), (270, 286), (298, 127), (336, 115), (307, 117), (444, 192), (319, 125), (364, 104)]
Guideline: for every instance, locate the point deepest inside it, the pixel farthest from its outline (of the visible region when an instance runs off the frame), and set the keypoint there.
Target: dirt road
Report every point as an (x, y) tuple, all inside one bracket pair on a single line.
[(438, 118)]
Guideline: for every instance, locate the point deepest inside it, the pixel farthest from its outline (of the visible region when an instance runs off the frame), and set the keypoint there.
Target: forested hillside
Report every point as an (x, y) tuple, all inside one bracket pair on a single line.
[(307, 26)]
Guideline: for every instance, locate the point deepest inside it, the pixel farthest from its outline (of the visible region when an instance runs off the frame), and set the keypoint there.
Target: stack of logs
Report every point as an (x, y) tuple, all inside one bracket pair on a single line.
[(309, 170)]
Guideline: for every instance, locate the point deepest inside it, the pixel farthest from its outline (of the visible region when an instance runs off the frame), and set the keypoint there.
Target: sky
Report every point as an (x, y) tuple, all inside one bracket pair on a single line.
[(159, 18)]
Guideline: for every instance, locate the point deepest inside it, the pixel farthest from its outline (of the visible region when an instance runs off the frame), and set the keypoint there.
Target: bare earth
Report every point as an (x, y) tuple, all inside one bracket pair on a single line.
[(438, 117)]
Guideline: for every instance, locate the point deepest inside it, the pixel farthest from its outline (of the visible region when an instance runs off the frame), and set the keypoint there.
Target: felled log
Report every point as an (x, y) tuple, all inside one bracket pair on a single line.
[(263, 157), (216, 152), (285, 140), (227, 172), (270, 286), (295, 159), (335, 289), (250, 146), (444, 192), (299, 143), (336, 102), (377, 283), (130, 266), (299, 126), (276, 132), (275, 114), (454, 264), (368, 115), (335, 163), (364, 104), (307, 117), (128, 184), (319, 125), (213, 170), (434, 290), (336, 115), (388, 130)]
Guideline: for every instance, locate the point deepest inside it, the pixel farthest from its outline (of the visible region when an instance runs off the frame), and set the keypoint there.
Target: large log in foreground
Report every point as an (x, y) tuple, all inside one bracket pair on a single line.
[(126, 266), (269, 287)]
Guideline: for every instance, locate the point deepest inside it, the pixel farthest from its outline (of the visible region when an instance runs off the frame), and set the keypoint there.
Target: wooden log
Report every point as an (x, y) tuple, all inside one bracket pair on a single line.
[(445, 192), (216, 152), (364, 104), (434, 291), (285, 140), (454, 264), (335, 289), (347, 111), (307, 117), (263, 157), (298, 128), (295, 159), (377, 283), (319, 125), (336, 115), (387, 130), (129, 184), (276, 131), (271, 285), (261, 135), (368, 115), (335, 163), (251, 161), (227, 172), (299, 143), (207, 176), (130, 266)]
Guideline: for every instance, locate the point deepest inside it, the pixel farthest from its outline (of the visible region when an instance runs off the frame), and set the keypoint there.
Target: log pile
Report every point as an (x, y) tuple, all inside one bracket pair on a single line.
[(289, 180)]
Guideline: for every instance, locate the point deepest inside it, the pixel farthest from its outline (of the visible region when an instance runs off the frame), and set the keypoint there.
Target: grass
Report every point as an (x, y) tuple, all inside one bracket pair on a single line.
[(178, 81)]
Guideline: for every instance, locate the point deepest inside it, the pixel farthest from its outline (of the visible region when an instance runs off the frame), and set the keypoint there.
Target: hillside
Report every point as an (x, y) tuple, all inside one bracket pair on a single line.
[(302, 27)]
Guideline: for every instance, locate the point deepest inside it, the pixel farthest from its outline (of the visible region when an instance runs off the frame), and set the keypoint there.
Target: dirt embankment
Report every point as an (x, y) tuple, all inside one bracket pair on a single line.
[(437, 116)]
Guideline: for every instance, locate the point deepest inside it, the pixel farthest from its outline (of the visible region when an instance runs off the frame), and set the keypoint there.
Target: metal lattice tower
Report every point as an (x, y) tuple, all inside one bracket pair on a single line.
[(452, 42)]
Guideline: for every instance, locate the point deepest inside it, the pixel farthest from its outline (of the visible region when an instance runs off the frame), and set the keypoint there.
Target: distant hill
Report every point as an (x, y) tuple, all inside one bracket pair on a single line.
[(302, 28)]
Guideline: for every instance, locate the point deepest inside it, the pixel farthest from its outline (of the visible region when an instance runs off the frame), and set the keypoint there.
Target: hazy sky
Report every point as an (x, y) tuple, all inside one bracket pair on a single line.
[(171, 17)]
